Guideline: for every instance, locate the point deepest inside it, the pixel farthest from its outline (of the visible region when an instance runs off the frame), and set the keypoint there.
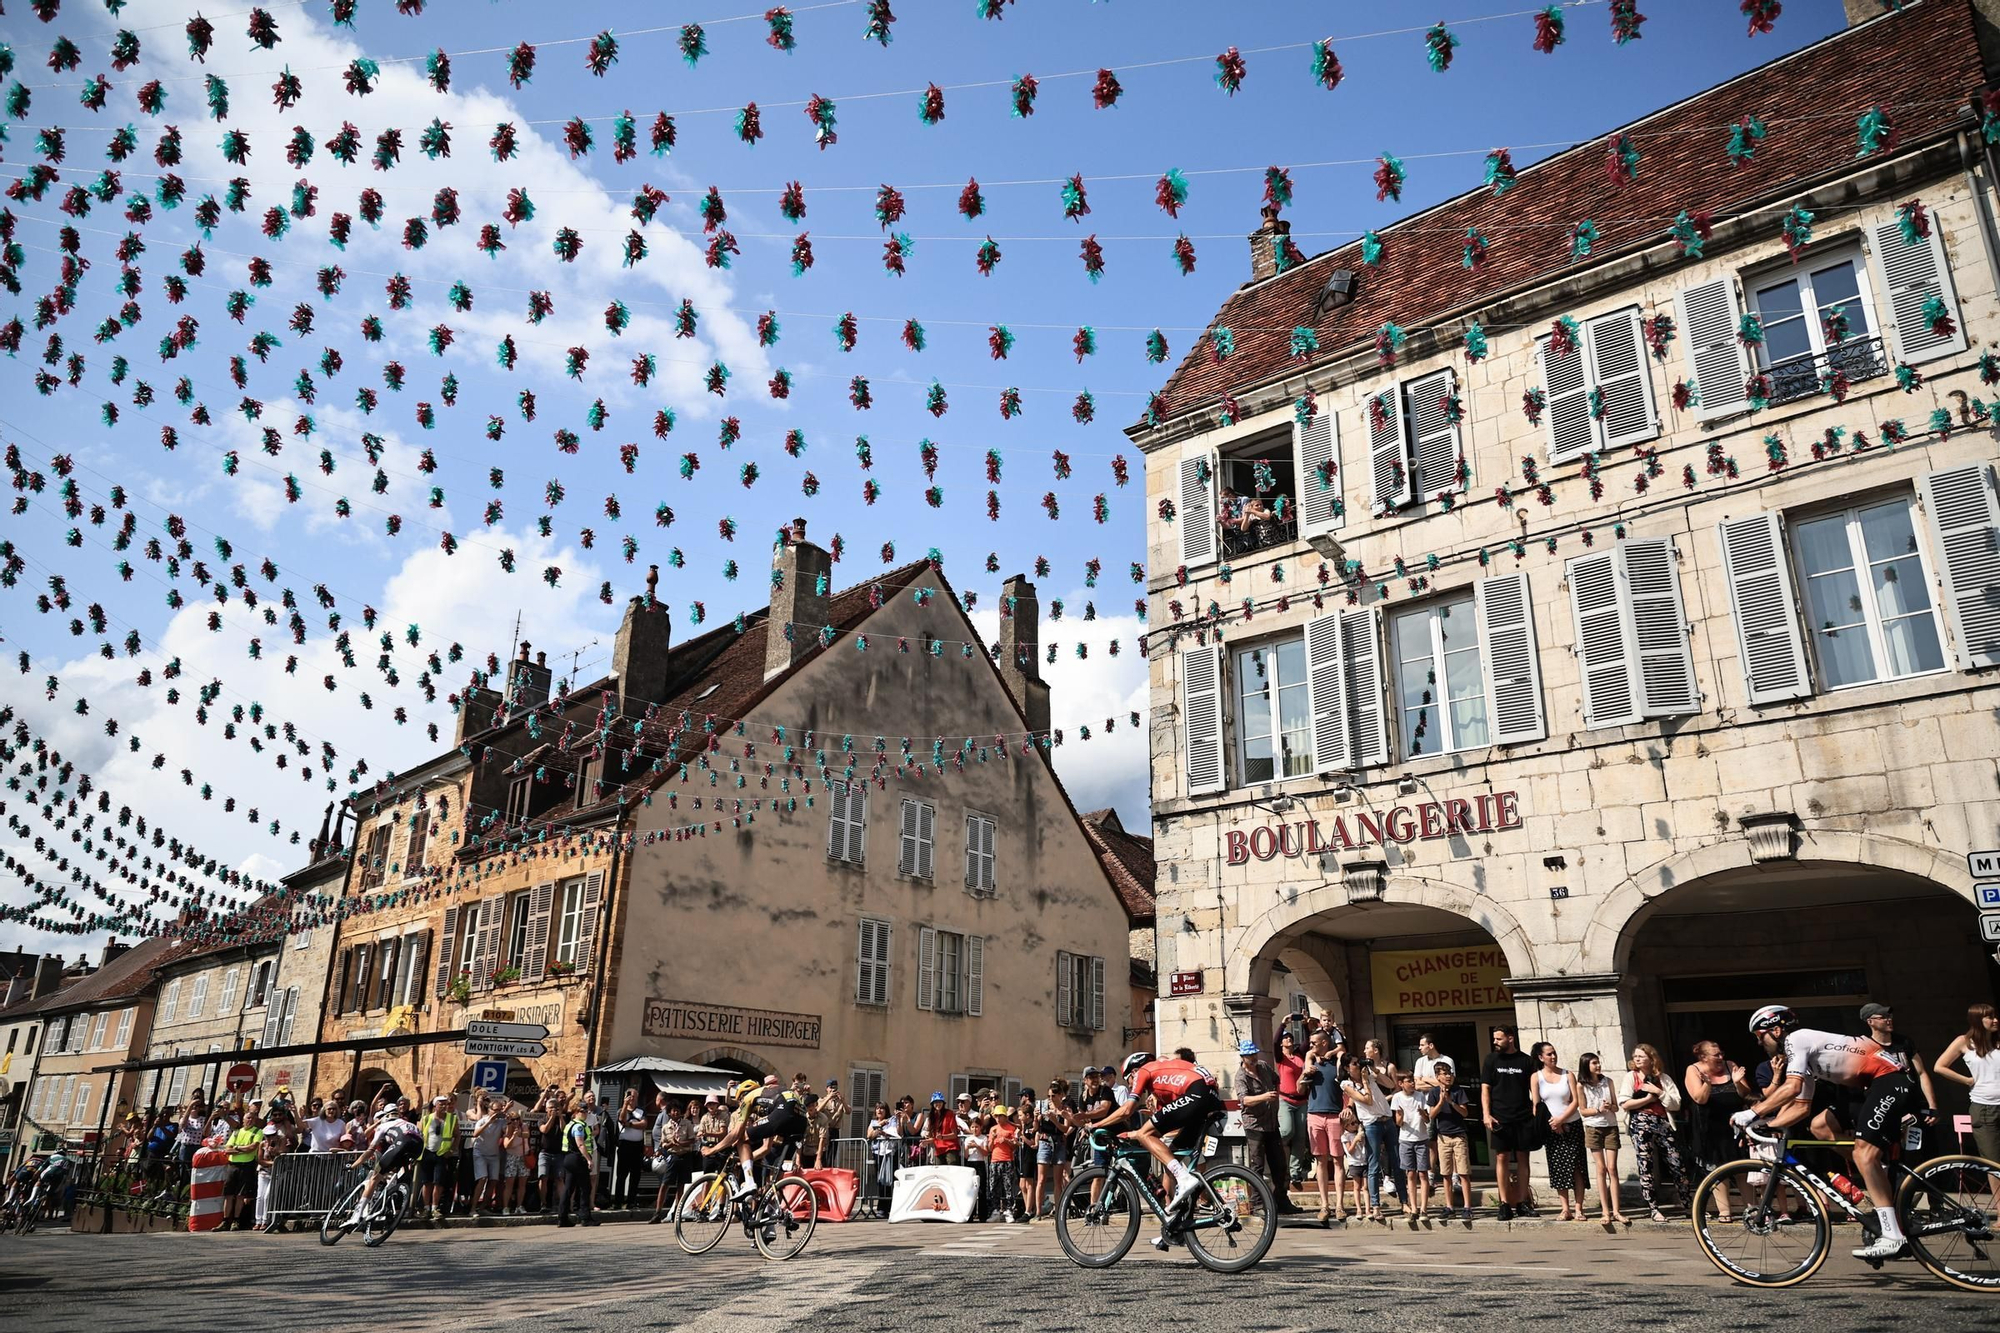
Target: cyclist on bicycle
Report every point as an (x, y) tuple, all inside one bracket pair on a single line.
[(1187, 1100), (767, 1113), (1808, 1067), (394, 1145)]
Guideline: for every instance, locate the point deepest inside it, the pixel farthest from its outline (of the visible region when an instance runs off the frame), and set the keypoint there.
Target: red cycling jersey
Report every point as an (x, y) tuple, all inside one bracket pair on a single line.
[(1170, 1079)]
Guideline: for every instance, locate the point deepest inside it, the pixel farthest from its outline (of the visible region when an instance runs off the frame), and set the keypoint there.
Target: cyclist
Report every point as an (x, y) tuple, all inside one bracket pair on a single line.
[(766, 1112), (1187, 1100), (394, 1145), (1809, 1068)]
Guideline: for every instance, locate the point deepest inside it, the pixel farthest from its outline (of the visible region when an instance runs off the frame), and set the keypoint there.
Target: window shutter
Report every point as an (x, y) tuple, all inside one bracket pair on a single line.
[(1435, 439), (1065, 995), (1506, 617), (864, 962), (1388, 460), (972, 878), (586, 926), (1710, 316), (1197, 508), (390, 952), (339, 997), (1325, 697), (474, 962), (1907, 276), (836, 821), (274, 1019), (535, 959), (926, 966), (906, 842), (988, 832), (420, 950), (1659, 630), (975, 974), (1316, 445), (447, 944), (1096, 1023), (1603, 660), (1624, 383), (857, 822), (926, 840), (1566, 414), (1201, 714), (1965, 537), (1767, 610), (291, 1014), (1361, 669)]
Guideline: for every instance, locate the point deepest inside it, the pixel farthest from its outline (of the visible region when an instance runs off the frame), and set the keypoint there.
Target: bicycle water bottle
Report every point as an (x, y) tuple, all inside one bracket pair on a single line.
[(1849, 1191)]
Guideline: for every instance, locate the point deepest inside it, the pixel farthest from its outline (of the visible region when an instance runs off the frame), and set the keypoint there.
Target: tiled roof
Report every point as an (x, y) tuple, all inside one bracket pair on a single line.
[(1921, 62), (125, 976), (1127, 859)]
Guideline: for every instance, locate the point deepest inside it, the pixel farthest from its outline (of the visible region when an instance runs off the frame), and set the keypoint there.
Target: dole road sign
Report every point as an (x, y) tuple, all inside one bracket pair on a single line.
[(479, 1027)]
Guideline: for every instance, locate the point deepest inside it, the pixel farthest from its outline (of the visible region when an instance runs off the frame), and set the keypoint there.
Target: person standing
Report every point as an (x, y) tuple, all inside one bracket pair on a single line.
[(515, 1137), (1027, 1155), (1599, 1100), (1450, 1105), (1290, 1063), (633, 1122), (1553, 1088), (1052, 1145), (1365, 1097), (1413, 1146), (972, 1129), (325, 1129), (833, 1111), (579, 1152), (240, 1193), (1263, 1147), (1321, 1081), (552, 1118), (1002, 1144), (1979, 1047), (489, 1122), (1880, 1020), (278, 1140), (941, 1130), (1505, 1106), (1650, 1100), (1354, 1161), (1717, 1089), (193, 1130), (884, 1141), (438, 1169)]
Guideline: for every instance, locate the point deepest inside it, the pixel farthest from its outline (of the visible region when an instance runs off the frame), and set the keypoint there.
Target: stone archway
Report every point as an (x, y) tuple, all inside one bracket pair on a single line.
[(736, 1058)]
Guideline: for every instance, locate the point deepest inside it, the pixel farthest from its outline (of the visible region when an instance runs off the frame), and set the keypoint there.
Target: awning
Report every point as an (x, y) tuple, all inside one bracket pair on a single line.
[(676, 1078)]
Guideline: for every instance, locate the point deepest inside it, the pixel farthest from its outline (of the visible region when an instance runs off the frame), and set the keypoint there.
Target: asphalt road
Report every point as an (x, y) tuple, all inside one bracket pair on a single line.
[(934, 1277)]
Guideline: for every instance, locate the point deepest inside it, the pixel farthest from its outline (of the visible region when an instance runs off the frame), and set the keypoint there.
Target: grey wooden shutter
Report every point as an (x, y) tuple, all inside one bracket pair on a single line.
[(1906, 277), (1388, 457), (291, 1014), (1603, 657), (587, 923), (1316, 446), (990, 855), (1768, 637), (1710, 317), (857, 822), (1665, 659), (1361, 668), (1965, 536), (420, 949), (1201, 714), (975, 974), (1435, 441), (390, 953), (480, 964), (926, 966), (871, 977), (1065, 990), (906, 841), (1326, 695), (274, 1021), (1096, 1022), (836, 821), (535, 960), (926, 840), (972, 876), (339, 997), (1624, 382), (1505, 613), (1566, 414), (1198, 491)]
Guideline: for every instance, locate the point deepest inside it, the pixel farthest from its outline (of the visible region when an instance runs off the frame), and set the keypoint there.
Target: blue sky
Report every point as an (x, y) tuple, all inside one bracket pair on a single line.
[(1171, 114)]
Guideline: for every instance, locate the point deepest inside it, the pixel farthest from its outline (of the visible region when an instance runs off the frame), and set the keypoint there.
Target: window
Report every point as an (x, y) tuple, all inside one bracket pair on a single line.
[(1258, 506), (1440, 696), (1631, 634), (260, 984), (390, 952), (1599, 391), (375, 861), (416, 947), (468, 938), (1273, 714), (1797, 308), (1867, 598), (65, 1099), (847, 822), (82, 1108), (569, 921), (170, 1005), (1079, 991), (198, 999), (916, 853), (979, 861), (302, 939), (589, 774), (950, 971), (29, 1049), (291, 1012), (520, 906), (58, 1029), (867, 1085), (366, 956), (231, 980), (1908, 276), (871, 972), (1416, 447), (517, 799), (420, 831), (79, 1032), (124, 1036), (97, 1031)]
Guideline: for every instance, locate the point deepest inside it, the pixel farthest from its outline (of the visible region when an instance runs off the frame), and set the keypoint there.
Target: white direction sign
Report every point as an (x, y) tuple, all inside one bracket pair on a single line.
[(1987, 896), (520, 1050), (1989, 927), (507, 1031), (1985, 865)]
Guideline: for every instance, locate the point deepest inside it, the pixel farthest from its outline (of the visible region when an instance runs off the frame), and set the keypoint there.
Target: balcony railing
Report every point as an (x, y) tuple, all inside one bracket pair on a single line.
[(1259, 534), (1803, 376)]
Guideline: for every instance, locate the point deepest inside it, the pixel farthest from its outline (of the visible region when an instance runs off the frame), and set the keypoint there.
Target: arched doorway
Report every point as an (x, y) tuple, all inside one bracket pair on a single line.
[(737, 1060), (371, 1080)]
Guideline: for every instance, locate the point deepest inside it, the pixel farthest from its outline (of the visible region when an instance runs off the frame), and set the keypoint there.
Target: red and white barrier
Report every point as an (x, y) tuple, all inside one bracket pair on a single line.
[(834, 1190), (205, 1202)]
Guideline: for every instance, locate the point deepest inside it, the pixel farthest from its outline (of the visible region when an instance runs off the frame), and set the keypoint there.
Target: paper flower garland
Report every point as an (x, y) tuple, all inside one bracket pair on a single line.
[(1388, 178), (1230, 71), (1439, 43), (1548, 29)]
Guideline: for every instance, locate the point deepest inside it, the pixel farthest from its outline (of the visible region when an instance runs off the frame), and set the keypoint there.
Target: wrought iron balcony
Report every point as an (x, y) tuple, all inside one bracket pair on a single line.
[(1803, 376)]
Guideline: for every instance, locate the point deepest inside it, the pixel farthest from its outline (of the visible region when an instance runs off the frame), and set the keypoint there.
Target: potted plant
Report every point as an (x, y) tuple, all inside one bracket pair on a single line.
[(506, 976), (460, 990), (562, 971)]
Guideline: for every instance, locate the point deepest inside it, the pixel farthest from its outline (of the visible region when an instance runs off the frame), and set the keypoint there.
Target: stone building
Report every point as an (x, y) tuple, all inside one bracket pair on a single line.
[(1616, 652), (100, 1019), (1127, 858)]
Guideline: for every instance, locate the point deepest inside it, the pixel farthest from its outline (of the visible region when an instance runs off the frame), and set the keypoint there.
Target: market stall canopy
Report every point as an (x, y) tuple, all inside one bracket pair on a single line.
[(676, 1078)]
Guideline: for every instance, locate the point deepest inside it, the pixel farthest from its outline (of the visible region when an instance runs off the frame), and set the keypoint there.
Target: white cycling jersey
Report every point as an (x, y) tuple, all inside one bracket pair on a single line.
[(1849, 1062)]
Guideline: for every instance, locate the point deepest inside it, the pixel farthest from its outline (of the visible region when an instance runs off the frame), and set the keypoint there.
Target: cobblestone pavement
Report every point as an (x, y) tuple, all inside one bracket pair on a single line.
[(873, 1276)]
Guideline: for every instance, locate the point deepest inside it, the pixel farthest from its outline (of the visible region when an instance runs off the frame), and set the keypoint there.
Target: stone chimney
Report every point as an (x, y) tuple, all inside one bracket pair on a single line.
[(803, 578), (527, 682), (1020, 650), (476, 709), (639, 655), (1265, 242), (317, 847), (112, 948)]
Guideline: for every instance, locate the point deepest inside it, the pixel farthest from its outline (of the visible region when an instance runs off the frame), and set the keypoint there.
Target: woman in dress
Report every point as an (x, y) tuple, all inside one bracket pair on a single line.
[(1553, 1088), (1716, 1090)]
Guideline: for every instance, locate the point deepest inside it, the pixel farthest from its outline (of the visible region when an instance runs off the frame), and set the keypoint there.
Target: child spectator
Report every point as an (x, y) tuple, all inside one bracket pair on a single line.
[(1449, 1104), (1413, 1145)]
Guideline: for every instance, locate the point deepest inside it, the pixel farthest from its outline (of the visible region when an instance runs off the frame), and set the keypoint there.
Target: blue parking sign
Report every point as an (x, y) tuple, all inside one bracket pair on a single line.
[(489, 1076), (1989, 897)]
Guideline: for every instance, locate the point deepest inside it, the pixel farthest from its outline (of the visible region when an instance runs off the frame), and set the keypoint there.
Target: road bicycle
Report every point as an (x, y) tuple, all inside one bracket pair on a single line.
[(1781, 1226), (30, 1211), (1228, 1224), (778, 1216), (381, 1216)]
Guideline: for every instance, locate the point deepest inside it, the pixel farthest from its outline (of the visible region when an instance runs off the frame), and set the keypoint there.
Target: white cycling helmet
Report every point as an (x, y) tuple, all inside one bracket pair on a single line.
[(1771, 1018)]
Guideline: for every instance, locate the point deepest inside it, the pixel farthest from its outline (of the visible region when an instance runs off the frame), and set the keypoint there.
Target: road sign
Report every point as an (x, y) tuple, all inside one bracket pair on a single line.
[(241, 1078), (489, 1076), (520, 1050), (1985, 865), (506, 1031), (1989, 927), (1987, 896)]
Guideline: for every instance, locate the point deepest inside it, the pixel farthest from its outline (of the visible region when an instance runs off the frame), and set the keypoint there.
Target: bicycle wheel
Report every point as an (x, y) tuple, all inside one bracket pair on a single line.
[(703, 1217), (1097, 1235), (379, 1225), (1232, 1221), (1950, 1210), (1778, 1233), (335, 1224), (786, 1218), (31, 1217)]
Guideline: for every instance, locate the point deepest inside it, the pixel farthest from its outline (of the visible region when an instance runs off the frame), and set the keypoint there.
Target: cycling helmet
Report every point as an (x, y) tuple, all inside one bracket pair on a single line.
[(1771, 1018), (748, 1086), (389, 1112), (1135, 1062)]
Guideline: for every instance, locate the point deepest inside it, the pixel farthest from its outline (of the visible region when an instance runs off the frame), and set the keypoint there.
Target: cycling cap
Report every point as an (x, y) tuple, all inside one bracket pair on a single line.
[(1134, 1062), (1771, 1017)]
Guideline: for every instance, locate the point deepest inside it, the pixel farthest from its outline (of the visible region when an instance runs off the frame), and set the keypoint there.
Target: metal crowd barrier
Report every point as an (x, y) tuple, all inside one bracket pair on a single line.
[(309, 1184)]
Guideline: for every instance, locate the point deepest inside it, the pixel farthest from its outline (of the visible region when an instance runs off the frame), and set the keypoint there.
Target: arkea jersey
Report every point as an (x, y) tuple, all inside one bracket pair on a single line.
[(1170, 1079), (1849, 1062)]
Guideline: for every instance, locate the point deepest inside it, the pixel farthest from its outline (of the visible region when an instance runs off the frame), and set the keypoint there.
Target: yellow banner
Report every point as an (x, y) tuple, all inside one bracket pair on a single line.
[(1436, 981)]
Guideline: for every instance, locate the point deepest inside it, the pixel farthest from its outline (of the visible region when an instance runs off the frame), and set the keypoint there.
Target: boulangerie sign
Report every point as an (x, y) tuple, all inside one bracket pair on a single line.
[(934, 1194), (1486, 812)]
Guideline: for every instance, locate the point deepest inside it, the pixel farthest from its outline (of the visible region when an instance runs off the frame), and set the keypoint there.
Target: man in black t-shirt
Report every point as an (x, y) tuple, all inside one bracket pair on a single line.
[(1510, 1119)]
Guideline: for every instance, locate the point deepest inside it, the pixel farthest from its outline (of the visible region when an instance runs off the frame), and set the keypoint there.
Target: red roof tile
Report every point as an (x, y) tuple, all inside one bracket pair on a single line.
[(1922, 63), (1128, 860)]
